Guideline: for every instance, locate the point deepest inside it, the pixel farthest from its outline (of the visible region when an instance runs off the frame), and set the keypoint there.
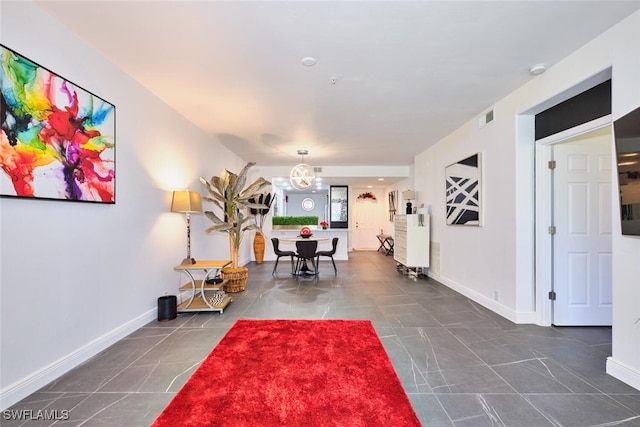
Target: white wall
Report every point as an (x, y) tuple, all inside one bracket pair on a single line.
[(625, 361), (76, 277), (320, 207), (495, 264), (477, 261)]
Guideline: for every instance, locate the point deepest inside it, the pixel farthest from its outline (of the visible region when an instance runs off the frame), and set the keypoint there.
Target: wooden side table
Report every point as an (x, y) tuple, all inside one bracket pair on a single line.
[(202, 295)]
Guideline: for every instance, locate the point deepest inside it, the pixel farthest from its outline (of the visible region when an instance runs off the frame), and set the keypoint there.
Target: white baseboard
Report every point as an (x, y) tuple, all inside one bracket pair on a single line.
[(495, 306), (22, 388), (623, 372)]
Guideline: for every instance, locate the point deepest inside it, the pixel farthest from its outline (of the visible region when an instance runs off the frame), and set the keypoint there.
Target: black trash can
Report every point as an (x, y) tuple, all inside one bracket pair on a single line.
[(167, 308)]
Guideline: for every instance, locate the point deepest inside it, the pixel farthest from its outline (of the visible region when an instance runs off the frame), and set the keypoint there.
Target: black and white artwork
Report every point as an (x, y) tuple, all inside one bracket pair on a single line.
[(463, 191)]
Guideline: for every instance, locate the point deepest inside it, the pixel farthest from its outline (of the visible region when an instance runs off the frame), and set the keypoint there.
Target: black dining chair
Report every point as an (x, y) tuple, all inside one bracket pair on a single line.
[(279, 253), (306, 251), (330, 254)]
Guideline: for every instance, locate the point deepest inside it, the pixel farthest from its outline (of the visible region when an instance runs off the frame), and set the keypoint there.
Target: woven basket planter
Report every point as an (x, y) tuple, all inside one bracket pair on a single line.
[(236, 278)]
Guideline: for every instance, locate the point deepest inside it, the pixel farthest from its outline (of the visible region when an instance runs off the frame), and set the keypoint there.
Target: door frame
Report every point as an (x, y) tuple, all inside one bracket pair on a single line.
[(544, 212), (380, 201)]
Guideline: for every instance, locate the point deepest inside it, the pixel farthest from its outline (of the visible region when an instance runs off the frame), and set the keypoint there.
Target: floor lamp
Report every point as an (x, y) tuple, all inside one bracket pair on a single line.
[(187, 202)]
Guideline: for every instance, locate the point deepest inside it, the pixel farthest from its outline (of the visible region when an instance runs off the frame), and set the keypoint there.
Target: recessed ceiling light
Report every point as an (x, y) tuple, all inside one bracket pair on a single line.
[(308, 61), (537, 69), (380, 179)]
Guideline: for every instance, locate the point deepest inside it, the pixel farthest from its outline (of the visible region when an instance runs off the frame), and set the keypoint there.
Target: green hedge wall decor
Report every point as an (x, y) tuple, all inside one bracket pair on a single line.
[(295, 220)]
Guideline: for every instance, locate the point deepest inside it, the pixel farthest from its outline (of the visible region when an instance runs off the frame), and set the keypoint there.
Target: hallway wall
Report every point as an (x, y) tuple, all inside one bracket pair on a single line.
[(494, 264), (76, 277)]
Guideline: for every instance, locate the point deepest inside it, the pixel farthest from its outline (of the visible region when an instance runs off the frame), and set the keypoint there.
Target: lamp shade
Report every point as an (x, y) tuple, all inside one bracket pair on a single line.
[(186, 202), (408, 195)]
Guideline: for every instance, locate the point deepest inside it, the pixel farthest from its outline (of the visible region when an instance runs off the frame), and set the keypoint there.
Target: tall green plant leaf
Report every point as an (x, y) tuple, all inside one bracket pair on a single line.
[(232, 199)]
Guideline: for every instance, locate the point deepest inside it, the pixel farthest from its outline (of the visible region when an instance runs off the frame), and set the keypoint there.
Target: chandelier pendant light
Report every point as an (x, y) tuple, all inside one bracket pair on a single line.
[(302, 175)]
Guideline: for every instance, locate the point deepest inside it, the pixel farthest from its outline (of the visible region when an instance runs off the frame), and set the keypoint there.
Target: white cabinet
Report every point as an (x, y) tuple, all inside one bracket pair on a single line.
[(411, 240)]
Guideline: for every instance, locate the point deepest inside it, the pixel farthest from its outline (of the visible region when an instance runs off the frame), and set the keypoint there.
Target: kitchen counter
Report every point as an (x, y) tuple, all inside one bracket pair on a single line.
[(342, 252)]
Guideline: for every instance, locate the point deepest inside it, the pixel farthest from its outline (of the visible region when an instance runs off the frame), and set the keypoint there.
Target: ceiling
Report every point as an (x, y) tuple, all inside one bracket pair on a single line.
[(390, 78)]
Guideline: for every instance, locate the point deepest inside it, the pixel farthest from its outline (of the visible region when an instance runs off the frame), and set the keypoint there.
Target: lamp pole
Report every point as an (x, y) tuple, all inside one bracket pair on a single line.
[(188, 259), (187, 202)]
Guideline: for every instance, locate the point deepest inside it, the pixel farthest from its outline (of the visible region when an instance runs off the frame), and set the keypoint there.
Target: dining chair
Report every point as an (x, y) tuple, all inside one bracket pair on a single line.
[(280, 253), (306, 251), (331, 253)]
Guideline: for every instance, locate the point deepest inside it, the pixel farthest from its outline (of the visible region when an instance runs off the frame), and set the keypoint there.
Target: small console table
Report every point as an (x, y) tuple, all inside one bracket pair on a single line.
[(203, 296)]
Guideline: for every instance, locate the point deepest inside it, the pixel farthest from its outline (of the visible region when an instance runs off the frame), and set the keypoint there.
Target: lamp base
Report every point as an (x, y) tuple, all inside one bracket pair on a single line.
[(188, 261), (409, 210)]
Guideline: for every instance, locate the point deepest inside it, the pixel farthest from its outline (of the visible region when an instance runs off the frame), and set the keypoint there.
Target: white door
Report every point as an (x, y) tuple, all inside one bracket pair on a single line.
[(366, 224), (582, 243)]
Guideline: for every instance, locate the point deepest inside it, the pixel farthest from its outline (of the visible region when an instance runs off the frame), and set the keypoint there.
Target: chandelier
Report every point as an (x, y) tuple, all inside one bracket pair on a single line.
[(302, 175)]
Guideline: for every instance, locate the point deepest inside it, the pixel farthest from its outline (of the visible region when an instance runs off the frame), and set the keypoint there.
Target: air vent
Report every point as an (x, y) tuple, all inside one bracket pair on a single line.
[(486, 118), (317, 170)]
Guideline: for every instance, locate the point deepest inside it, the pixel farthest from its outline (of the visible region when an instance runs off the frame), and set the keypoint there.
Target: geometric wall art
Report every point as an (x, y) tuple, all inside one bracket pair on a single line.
[(57, 140), (463, 191)]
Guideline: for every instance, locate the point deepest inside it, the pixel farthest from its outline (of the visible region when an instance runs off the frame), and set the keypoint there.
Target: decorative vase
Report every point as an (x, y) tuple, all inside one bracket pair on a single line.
[(258, 247), (409, 209), (324, 227), (235, 278)]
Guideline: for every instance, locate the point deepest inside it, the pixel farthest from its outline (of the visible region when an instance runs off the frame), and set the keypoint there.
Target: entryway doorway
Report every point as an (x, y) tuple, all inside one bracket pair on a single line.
[(367, 212), (578, 193)]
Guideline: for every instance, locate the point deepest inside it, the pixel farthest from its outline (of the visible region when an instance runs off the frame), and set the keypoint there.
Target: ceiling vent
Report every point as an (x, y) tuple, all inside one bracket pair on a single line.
[(317, 170), (486, 118)]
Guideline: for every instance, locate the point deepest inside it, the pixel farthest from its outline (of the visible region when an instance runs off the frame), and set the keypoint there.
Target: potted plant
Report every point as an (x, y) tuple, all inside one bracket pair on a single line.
[(324, 224), (259, 215), (229, 194)]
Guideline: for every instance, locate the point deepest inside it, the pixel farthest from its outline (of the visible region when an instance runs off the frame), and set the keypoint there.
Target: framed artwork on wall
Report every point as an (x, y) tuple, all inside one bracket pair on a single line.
[(57, 140), (393, 199), (463, 191)]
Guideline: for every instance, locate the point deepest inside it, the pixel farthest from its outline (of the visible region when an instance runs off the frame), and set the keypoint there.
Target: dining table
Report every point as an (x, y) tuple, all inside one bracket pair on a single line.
[(342, 251), (304, 270), (299, 238)]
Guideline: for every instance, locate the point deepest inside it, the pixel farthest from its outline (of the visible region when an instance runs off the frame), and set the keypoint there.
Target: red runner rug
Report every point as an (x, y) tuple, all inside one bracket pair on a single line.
[(293, 373)]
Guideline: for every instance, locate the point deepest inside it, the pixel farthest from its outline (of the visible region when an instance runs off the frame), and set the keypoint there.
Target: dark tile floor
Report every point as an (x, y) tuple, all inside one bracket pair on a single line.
[(460, 364)]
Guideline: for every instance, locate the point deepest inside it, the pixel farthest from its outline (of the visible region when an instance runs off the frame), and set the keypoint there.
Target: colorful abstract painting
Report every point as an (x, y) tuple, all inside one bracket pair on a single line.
[(463, 192), (57, 139)]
